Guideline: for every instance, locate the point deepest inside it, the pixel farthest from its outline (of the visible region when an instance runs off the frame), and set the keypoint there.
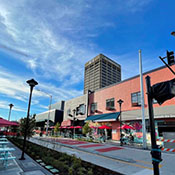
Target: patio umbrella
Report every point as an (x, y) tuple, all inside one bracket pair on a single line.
[(104, 127), (126, 127), (4, 122), (78, 127)]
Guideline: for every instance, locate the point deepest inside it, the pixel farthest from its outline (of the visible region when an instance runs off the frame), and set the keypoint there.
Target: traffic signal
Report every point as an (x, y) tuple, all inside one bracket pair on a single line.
[(170, 57), (163, 91)]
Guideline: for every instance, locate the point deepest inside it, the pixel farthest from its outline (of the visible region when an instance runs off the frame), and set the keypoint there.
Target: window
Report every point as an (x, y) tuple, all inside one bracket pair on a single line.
[(68, 112), (81, 109), (93, 107), (110, 104), (136, 99)]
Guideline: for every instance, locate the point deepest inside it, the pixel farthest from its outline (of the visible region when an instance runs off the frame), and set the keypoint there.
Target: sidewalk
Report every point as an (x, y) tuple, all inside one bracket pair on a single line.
[(119, 159), (22, 167)]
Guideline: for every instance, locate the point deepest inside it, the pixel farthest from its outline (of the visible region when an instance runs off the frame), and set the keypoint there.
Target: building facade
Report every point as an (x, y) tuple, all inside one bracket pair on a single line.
[(75, 110), (104, 102), (100, 72), (55, 114)]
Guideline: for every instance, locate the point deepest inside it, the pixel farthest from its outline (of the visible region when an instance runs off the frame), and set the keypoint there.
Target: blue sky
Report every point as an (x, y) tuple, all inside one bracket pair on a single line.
[(51, 40)]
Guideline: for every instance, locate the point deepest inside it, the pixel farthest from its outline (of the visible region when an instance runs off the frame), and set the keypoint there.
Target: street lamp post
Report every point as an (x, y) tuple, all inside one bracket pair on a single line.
[(47, 126), (32, 83), (120, 101), (11, 105), (74, 111)]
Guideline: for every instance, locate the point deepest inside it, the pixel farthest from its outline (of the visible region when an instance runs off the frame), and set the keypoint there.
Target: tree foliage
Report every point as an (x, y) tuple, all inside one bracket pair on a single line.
[(57, 127), (31, 126), (86, 129)]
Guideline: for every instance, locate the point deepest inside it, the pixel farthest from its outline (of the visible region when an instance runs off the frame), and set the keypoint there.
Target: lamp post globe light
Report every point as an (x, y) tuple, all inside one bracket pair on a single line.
[(173, 33), (48, 118), (120, 101), (11, 105), (32, 83)]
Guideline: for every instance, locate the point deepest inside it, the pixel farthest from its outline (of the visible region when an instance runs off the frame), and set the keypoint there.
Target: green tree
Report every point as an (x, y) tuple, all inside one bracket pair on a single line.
[(57, 128), (31, 126), (87, 129), (14, 129)]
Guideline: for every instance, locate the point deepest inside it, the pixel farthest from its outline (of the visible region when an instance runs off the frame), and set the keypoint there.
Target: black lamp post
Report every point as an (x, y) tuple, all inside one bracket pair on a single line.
[(74, 111), (11, 105), (32, 83), (120, 101)]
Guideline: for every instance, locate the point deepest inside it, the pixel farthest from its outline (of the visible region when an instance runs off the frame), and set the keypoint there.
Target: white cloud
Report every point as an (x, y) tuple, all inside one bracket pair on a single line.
[(5, 105), (15, 87), (55, 33)]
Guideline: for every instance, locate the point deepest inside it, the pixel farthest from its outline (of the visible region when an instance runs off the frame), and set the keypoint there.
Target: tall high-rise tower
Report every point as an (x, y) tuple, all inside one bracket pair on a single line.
[(100, 72)]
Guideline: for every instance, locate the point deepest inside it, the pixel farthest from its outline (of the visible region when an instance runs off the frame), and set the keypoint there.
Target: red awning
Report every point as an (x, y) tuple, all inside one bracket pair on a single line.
[(78, 127), (63, 127), (71, 127), (4, 122), (104, 127)]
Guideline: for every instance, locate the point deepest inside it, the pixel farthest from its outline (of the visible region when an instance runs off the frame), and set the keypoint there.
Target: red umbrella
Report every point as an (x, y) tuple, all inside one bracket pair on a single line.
[(104, 127), (78, 127), (4, 122), (127, 127)]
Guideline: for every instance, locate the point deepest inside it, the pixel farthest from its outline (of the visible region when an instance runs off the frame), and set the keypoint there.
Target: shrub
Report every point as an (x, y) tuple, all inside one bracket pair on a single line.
[(90, 172), (66, 164), (70, 171), (81, 171)]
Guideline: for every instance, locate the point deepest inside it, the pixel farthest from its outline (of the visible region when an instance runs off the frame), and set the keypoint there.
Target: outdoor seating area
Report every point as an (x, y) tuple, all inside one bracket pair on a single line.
[(5, 152), (131, 134)]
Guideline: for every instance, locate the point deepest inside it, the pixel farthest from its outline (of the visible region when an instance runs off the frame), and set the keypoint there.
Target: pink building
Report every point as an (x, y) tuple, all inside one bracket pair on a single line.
[(104, 101)]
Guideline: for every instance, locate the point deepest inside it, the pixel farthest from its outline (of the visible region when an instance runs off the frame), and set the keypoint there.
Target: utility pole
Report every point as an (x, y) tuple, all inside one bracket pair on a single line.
[(74, 111), (142, 102), (156, 151), (48, 115), (48, 118)]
